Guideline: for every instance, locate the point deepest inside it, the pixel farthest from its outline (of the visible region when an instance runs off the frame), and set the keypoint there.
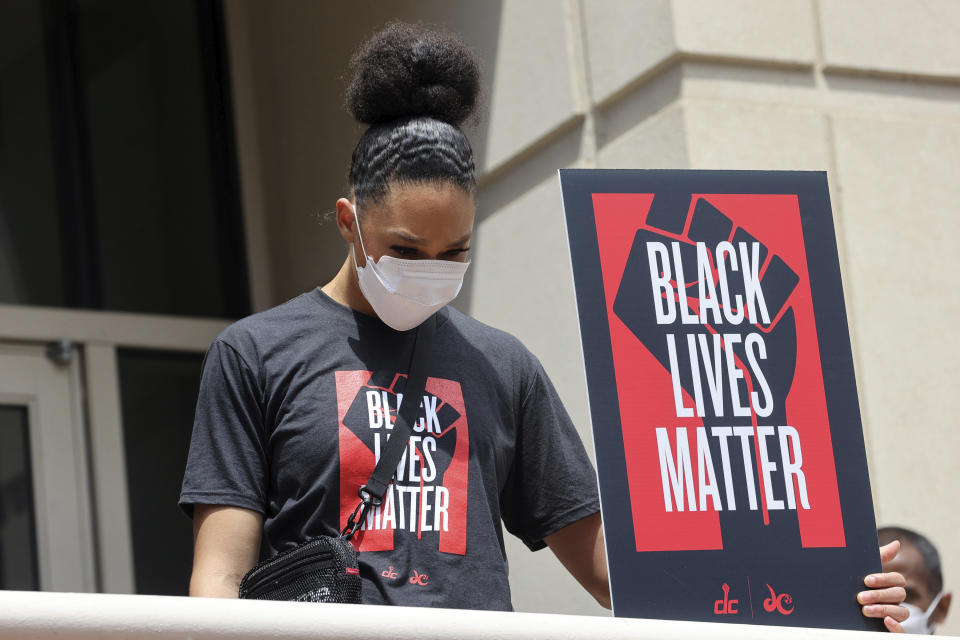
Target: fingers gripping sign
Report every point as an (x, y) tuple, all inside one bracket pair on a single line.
[(885, 593)]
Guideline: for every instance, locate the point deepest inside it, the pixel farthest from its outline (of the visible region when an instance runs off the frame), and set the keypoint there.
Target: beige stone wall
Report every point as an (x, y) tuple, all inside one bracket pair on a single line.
[(867, 90)]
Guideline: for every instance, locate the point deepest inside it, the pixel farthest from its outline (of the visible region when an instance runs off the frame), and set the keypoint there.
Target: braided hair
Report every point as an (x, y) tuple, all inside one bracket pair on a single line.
[(414, 86)]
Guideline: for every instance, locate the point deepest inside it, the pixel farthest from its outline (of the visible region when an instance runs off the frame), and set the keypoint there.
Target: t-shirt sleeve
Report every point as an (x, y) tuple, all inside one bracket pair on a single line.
[(552, 483), (226, 464)]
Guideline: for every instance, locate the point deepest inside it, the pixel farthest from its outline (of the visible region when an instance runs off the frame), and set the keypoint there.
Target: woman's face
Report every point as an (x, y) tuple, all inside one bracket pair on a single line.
[(415, 222)]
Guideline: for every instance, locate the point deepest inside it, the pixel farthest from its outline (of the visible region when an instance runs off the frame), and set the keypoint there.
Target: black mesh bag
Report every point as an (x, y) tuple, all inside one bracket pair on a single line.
[(321, 570)]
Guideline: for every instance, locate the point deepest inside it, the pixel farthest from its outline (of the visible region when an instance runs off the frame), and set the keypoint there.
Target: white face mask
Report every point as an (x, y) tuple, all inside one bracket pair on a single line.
[(919, 620), (404, 293)]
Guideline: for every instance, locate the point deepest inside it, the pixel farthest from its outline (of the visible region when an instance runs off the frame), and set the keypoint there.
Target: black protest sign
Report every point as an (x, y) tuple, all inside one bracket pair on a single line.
[(722, 395)]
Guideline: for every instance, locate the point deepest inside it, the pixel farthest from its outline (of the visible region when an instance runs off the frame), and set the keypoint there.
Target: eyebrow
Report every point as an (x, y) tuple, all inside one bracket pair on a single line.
[(409, 237), (412, 239), (462, 240)]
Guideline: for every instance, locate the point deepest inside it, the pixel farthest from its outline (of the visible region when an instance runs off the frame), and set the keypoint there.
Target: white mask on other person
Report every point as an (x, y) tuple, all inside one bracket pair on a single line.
[(403, 292), (919, 620)]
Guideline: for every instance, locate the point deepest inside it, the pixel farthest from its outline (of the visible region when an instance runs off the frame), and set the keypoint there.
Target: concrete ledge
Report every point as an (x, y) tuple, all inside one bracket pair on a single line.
[(76, 616)]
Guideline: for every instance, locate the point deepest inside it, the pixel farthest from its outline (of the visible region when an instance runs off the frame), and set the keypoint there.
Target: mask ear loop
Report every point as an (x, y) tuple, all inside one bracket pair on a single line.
[(932, 607), (366, 256)]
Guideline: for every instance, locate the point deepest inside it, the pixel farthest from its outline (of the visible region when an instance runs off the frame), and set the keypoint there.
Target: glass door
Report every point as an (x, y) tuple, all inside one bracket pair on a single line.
[(45, 532), (18, 522)]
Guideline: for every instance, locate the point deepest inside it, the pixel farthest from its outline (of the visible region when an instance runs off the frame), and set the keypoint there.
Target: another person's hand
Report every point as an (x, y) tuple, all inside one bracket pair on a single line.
[(885, 593)]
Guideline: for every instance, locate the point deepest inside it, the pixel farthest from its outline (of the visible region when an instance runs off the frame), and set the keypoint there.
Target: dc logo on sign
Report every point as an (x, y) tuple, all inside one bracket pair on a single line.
[(782, 603), (726, 606)]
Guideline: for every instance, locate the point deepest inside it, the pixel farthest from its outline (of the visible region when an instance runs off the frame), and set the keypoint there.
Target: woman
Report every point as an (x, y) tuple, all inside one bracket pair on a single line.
[(296, 401)]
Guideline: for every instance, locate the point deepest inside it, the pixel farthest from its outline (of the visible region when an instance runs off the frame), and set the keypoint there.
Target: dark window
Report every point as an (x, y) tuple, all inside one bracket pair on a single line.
[(158, 392), (118, 185), (31, 270), (18, 540)]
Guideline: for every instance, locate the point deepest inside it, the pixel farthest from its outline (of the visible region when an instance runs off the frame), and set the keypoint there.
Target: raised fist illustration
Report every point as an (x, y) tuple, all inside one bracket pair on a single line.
[(712, 305), (373, 413)]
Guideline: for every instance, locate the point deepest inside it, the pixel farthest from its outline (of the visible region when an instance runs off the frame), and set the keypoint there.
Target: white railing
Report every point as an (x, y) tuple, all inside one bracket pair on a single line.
[(81, 616)]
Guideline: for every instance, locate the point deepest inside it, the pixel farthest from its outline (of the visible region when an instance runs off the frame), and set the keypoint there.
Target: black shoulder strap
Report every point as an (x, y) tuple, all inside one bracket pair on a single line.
[(373, 491)]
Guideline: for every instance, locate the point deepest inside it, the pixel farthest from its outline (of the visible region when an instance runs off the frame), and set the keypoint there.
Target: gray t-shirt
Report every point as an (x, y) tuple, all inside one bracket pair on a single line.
[(295, 403)]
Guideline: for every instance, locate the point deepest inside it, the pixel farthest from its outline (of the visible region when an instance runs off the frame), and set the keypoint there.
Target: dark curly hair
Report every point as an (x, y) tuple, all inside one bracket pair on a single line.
[(414, 86)]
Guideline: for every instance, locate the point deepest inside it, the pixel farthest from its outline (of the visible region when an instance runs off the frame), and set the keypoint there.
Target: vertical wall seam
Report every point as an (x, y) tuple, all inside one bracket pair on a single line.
[(681, 101), (580, 78)]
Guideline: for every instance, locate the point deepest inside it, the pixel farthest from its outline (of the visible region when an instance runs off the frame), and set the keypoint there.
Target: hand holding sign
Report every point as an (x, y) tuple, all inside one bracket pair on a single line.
[(886, 593)]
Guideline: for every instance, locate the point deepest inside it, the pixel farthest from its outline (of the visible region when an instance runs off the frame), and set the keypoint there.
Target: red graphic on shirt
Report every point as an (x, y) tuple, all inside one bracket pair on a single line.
[(427, 499), (718, 369), (389, 573), (419, 579)]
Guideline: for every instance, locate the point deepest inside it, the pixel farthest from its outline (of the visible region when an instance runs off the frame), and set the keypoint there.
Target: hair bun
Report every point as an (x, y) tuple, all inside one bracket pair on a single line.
[(409, 71)]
